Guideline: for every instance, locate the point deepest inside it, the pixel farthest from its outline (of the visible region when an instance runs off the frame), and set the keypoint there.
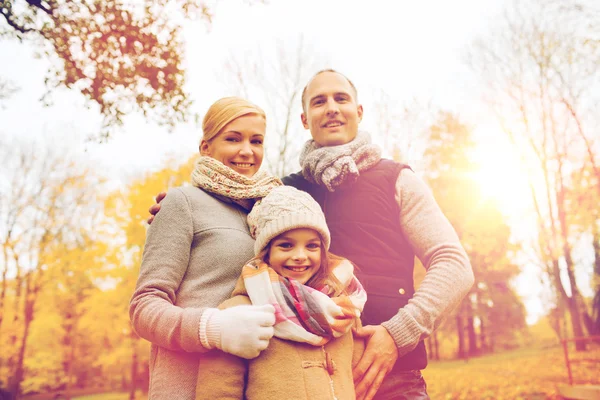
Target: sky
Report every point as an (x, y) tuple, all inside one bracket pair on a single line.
[(410, 49)]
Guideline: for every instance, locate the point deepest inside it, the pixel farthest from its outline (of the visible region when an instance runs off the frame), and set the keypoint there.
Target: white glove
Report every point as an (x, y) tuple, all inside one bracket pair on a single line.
[(243, 331)]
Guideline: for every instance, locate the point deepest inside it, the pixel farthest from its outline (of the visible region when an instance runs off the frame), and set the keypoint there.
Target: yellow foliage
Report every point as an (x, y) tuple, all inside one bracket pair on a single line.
[(81, 322), (44, 370)]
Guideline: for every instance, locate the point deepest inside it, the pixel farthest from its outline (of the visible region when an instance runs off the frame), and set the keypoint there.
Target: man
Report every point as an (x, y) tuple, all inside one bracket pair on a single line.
[(381, 215)]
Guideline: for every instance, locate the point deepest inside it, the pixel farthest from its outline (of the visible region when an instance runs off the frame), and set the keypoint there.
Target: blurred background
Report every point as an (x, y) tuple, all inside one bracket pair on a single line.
[(494, 103)]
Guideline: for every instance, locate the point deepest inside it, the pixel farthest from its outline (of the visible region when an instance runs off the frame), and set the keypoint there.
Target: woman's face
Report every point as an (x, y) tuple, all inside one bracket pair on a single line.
[(239, 145)]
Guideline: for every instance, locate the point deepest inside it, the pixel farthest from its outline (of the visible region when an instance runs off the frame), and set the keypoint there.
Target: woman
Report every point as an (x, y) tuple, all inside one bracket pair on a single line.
[(189, 266)]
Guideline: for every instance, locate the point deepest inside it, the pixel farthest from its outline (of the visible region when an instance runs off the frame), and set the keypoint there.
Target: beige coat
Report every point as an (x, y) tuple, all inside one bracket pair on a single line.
[(285, 370)]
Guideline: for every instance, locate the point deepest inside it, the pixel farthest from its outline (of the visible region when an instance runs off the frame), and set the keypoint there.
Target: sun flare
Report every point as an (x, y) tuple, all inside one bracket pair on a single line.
[(501, 176)]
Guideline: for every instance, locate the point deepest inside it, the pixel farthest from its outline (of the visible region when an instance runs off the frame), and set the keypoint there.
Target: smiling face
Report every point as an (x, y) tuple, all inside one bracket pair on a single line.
[(239, 145), (330, 110), (296, 254)]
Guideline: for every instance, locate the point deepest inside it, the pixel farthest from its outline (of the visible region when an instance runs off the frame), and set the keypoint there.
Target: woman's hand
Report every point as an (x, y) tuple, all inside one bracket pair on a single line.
[(243, 331)]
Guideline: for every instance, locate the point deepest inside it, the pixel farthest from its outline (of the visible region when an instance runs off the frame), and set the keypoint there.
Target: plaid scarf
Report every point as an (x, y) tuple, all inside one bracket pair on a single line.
[(214, 177), (304, 314), (333, 166)]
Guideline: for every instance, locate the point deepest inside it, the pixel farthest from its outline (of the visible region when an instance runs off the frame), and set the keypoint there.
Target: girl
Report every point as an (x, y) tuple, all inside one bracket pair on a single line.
[(188, 267), (317, 301)]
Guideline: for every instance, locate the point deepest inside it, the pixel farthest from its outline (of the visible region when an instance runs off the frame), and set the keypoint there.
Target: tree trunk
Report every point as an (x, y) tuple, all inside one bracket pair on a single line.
[(472, 335), (436, 346), (482, 337), (432, 346), (70, 371), (572, 302), (14, 337), (429, 344), (134, 366), (576, 323), (3, 288), (69, 345), (18, 375), (460, 333), (3, 296), (594, 324), (562, 298)]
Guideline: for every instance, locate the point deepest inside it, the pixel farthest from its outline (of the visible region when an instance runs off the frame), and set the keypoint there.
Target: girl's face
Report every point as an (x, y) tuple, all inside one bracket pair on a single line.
[(239, 145), (296, 254)]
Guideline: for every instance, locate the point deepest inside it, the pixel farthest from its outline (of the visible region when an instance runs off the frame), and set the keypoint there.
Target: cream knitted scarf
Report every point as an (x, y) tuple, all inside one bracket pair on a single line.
[(333, 166), (214, 177)]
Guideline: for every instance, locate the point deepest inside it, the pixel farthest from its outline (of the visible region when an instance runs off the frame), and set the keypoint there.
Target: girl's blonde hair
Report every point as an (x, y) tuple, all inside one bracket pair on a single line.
[(225, 110), (323, 276)]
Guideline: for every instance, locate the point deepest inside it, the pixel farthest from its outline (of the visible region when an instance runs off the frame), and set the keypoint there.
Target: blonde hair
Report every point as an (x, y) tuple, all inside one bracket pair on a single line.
[(225, 110)]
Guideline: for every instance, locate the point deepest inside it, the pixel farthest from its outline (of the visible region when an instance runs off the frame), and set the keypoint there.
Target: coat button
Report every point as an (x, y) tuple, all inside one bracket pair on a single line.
[(401, 291), (329, 363)]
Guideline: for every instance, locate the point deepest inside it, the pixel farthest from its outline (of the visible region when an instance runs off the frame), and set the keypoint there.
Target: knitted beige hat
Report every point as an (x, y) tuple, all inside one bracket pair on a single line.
[(283, 209)]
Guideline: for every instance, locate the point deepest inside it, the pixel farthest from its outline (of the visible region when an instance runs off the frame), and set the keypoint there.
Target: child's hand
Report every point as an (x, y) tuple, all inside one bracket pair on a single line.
[(243, 331)]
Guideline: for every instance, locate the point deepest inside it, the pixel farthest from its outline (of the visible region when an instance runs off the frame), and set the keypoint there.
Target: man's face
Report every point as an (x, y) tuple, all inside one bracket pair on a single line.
[(331, 112)]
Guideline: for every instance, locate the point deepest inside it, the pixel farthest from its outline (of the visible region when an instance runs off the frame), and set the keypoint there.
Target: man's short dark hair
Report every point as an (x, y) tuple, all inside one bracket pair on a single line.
[(319, 73)]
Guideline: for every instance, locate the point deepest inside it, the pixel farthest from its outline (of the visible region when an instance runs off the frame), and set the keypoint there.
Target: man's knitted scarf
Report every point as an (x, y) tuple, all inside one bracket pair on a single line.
[(333, 166), (214, 177), (304, 314)]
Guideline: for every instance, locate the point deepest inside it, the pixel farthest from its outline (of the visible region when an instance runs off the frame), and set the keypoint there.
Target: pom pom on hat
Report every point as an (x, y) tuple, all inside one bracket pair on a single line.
[(283, 209)]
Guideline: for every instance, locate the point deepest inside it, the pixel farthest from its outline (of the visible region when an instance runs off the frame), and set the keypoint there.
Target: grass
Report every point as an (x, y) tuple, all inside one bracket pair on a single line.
[(520, 374), (110, 396), (525, 374), (104, 396)]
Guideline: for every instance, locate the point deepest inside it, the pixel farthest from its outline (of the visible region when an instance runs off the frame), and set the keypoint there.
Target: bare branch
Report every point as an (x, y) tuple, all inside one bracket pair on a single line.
[(6, 11), (273, 76)]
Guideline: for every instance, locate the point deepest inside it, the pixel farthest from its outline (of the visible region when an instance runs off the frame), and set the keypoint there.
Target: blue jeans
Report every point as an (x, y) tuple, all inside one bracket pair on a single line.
[(403, 385)]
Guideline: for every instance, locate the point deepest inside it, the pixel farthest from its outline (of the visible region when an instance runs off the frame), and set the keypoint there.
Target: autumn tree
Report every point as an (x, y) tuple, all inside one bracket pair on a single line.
[(121, 56), (45, 204), (273, 77), (497, 308), (60, 354), (539, 68), (491, 310), (402, 126), (127, 211)]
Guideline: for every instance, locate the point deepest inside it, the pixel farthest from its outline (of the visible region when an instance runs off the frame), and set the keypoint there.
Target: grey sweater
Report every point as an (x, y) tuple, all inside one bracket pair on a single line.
[(449, 275), (194, 253)]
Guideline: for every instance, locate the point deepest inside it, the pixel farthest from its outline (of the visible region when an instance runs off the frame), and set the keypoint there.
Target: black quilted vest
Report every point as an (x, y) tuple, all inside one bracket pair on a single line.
[(364, 222)]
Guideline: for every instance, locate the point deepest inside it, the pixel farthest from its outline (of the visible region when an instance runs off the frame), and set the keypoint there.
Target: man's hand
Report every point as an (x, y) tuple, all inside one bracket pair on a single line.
[(376, 362), (155, 207)]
